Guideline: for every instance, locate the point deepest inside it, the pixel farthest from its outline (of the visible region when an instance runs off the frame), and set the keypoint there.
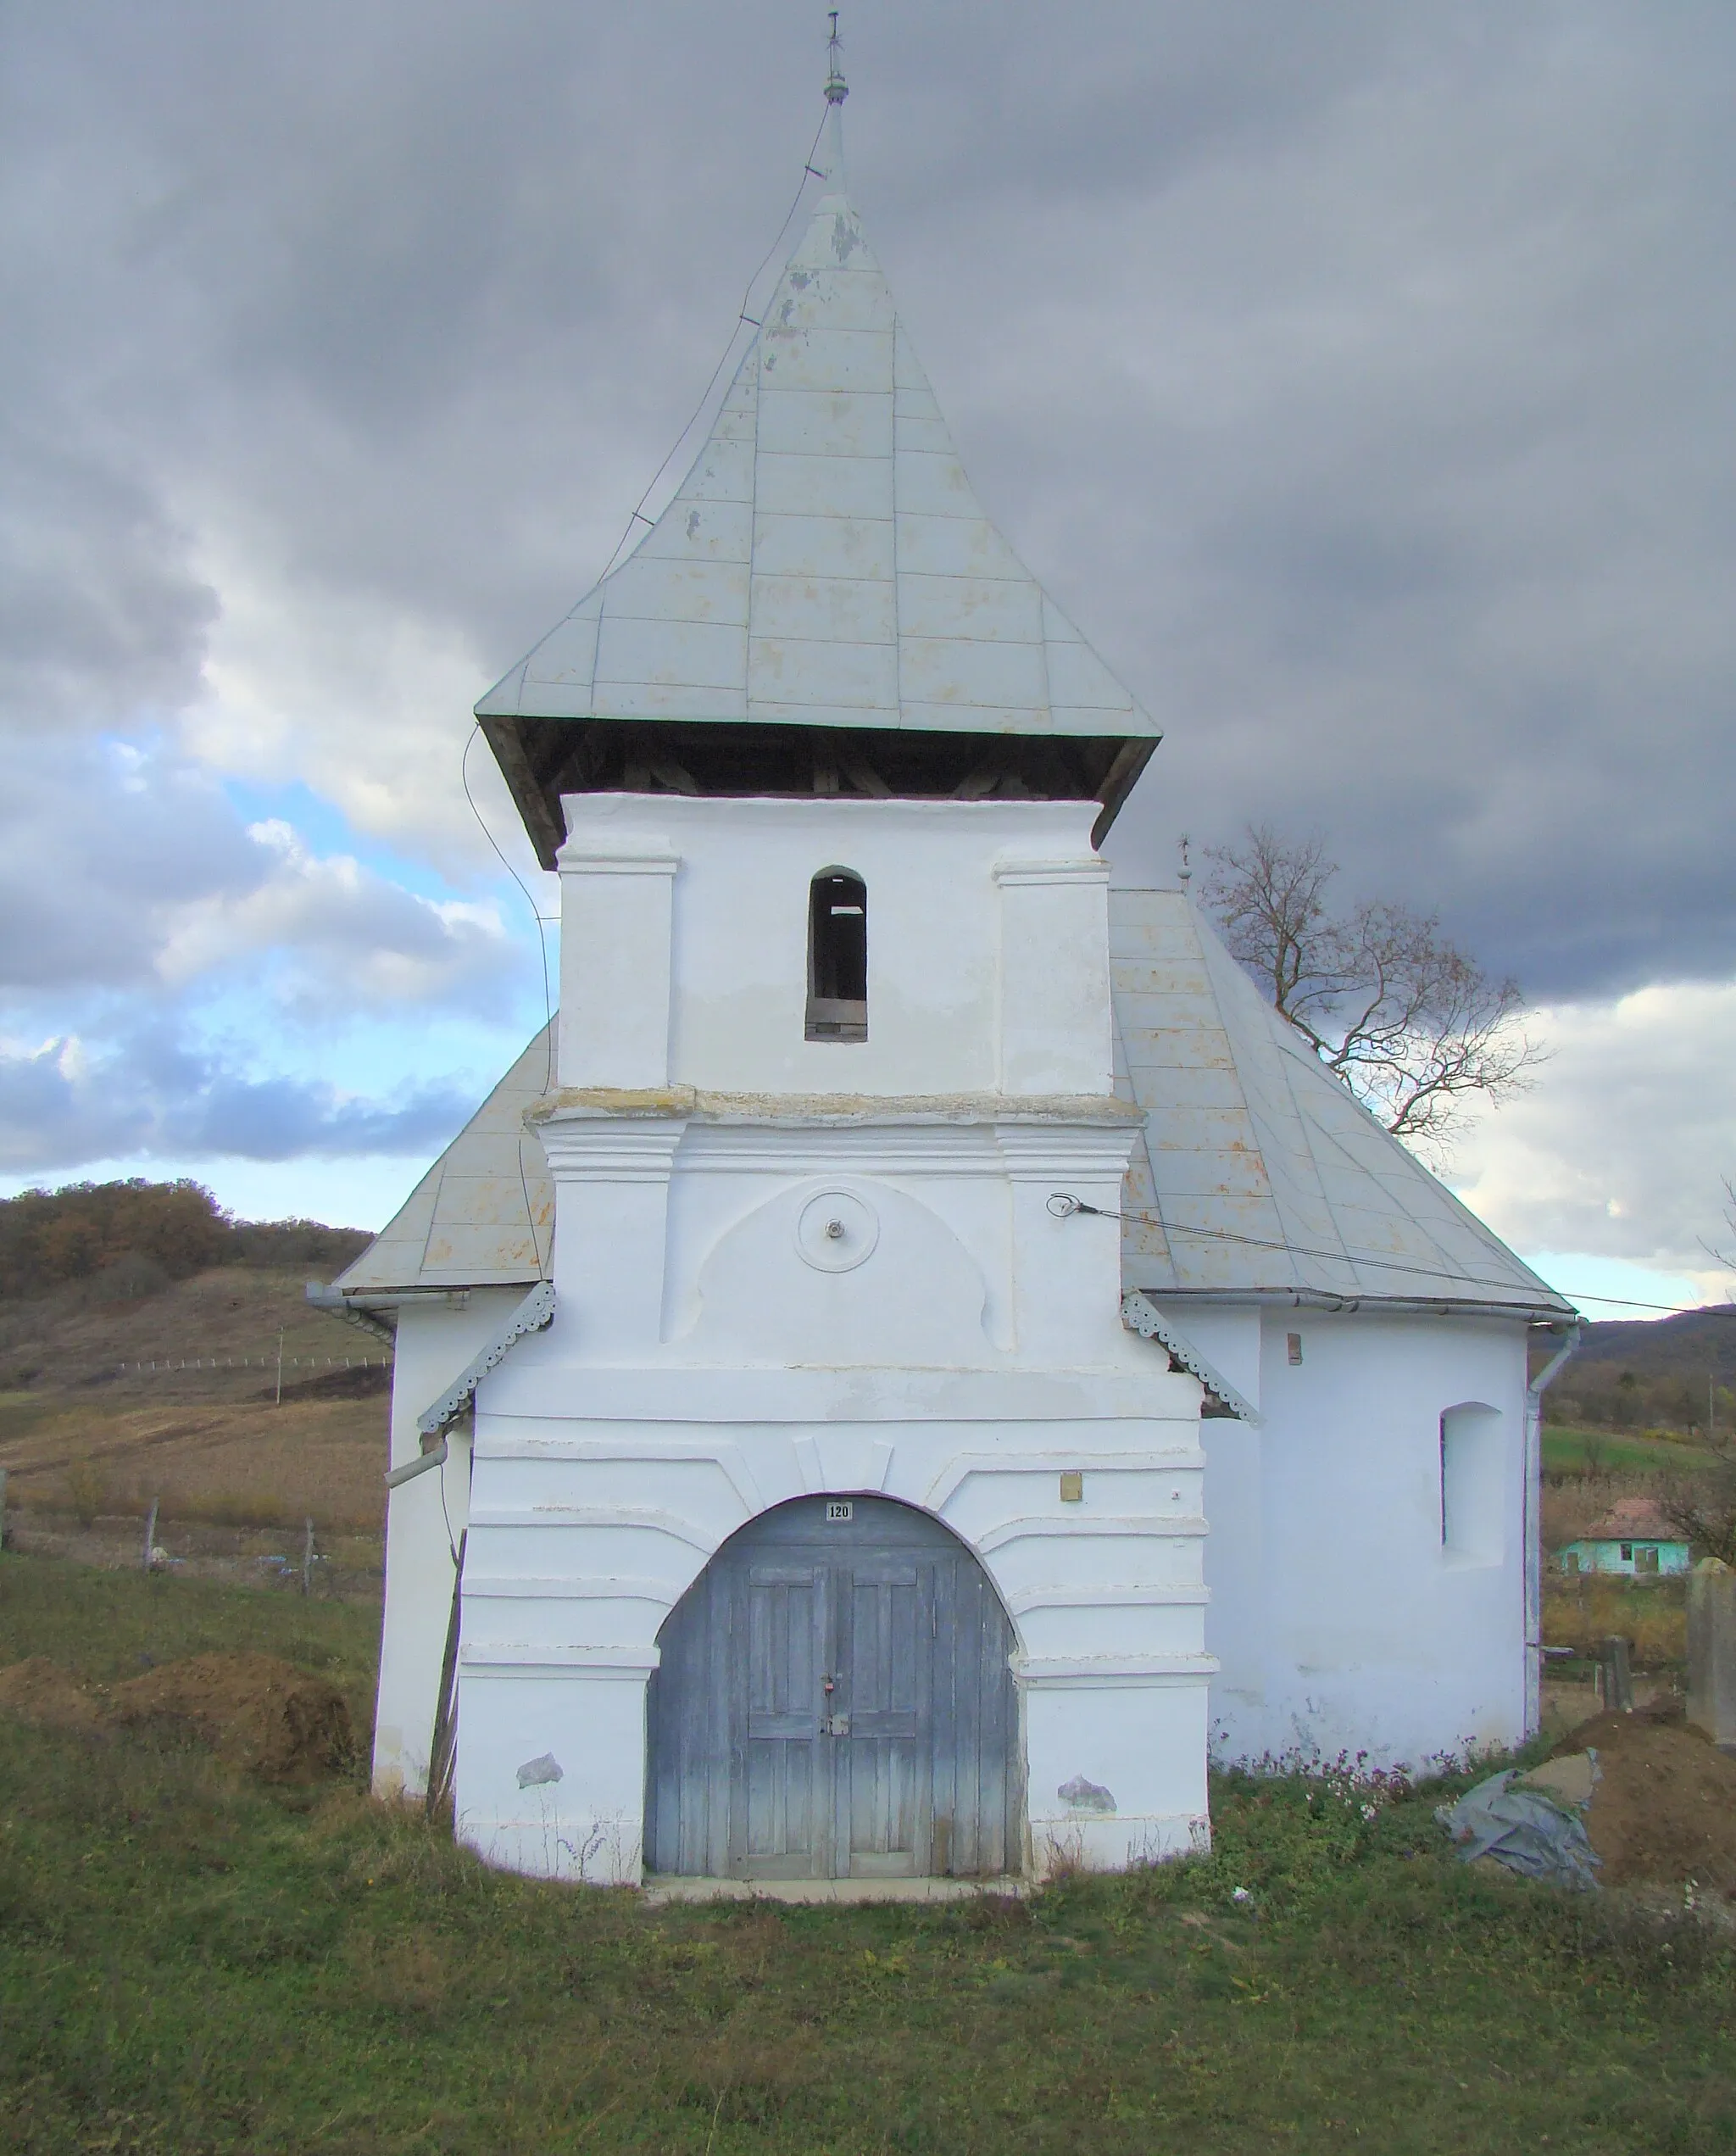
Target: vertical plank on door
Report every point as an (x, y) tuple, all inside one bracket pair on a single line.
[(740, 1778)]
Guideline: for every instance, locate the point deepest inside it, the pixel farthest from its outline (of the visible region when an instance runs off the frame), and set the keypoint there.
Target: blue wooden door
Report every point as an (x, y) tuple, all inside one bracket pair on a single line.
[(835, 1699)]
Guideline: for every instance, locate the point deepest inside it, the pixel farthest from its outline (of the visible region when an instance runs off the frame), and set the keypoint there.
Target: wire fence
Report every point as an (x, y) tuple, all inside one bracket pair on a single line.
[(163, 1366)]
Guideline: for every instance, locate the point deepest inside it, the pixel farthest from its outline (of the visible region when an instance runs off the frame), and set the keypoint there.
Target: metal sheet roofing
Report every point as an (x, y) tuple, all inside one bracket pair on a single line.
[(1259, 1173), (825, 563), (483, 1215)]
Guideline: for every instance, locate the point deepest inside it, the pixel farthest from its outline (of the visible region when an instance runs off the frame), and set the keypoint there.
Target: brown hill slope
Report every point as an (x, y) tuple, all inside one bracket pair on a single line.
[(87, 1425)]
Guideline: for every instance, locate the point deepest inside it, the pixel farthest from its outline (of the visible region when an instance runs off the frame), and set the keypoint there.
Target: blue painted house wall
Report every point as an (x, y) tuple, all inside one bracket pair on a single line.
[(1644, 1558)]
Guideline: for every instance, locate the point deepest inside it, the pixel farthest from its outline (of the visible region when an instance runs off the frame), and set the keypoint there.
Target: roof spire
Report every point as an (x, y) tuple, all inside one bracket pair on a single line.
[(837, 90)]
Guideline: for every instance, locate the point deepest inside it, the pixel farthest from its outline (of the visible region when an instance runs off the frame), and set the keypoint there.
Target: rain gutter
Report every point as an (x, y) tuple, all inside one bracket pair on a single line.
[(378, 1313), (1535, 1313)]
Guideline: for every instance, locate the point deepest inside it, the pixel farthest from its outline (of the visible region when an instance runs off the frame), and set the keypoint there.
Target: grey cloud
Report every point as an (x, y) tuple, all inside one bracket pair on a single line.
[(154, 1098), (102, 617), (95, 843), (126, 872), (1358, 376)]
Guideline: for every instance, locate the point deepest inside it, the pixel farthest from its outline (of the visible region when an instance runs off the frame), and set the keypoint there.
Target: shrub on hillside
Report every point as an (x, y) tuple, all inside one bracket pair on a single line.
[(127, 1240)]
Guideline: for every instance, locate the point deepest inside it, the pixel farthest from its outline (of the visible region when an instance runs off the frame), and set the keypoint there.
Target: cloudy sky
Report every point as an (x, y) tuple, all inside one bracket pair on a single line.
[(1361, 378)]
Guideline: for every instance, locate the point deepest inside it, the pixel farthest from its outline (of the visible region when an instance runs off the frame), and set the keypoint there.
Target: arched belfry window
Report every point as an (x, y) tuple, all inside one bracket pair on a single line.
[(837, 956)]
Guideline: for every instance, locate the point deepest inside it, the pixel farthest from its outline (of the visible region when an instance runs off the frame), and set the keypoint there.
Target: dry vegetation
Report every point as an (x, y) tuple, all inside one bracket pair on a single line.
[(1579, 1612), (81, 1438), (1652, 1617)]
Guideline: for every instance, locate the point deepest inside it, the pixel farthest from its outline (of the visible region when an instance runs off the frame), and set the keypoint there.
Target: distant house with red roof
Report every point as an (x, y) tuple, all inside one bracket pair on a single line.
[(1632, 1538)]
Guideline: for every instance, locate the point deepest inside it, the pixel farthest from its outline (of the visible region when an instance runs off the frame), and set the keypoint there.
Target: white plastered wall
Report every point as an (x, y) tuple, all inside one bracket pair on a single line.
[(1340, 1620), (704, 1365), (436, 1339), (684, 945)]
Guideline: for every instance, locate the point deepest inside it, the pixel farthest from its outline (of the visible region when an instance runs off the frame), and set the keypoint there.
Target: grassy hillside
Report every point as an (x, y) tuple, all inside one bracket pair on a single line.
[(1603, 1451)]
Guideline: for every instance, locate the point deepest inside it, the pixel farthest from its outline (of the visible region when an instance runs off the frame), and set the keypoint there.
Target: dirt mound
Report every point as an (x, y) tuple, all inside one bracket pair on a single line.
[(1665, 1810), (358, 1382), (253, 1709), (40, 1691)]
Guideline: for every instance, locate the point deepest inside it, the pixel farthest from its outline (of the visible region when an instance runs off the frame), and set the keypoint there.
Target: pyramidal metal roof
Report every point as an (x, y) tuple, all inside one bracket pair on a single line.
[(483, 1215), (825, 563), (1259, 1173)]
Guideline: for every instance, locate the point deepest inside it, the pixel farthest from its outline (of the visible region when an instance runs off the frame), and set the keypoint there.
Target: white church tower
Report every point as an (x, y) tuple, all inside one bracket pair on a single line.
[(837, 1496), (836, 1525)]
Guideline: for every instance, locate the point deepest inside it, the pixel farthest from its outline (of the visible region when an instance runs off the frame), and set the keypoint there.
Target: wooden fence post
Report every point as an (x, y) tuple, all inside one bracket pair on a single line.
[(1711, 1651), (151, 1532), (1616, 1680), (307, 1560)]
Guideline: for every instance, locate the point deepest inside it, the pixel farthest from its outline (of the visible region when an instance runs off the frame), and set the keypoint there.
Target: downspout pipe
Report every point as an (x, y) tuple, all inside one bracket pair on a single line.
[(436, 1458), (1533, 1530)]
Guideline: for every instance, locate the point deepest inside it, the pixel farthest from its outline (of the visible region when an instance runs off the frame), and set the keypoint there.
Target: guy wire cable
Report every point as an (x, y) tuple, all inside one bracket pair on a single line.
[(639, 516)]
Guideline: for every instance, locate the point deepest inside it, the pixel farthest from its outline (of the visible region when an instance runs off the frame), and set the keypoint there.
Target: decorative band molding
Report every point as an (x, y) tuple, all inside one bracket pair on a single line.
[(1112, 1597), (826, 1111), (599, 864), (617, 1152), (507, 1586), (1103, 1671), (670, 1523), (1158, 1527), (1188, 1460), (512, 1657), (725, 1455), (1089, 868)]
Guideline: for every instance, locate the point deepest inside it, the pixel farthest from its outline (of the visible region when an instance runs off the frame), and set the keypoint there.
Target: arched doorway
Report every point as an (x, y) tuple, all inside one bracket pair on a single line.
[(835, 1702)]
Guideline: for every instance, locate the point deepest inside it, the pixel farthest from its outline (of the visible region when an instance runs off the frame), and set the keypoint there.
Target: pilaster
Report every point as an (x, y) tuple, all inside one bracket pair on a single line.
[(611, 1206), (616, 916), (1054, 993)]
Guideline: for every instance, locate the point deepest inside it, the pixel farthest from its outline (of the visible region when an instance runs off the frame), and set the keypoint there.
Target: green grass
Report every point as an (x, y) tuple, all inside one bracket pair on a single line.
[(190, 1963), (1573, 1452), (104, 1624)]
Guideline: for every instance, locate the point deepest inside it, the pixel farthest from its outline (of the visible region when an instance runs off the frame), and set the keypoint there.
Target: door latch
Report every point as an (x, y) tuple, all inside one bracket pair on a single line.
[(835, 1725)]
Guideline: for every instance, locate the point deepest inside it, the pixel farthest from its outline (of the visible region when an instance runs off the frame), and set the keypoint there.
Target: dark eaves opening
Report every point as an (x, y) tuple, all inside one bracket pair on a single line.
[(542, 759)]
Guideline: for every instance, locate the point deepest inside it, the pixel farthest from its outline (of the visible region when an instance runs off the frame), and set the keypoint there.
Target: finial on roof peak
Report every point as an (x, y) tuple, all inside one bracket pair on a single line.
[(837, 89)]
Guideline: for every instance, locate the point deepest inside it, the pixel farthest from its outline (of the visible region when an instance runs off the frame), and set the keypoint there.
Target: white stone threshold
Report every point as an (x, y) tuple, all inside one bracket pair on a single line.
[(662, 1889)]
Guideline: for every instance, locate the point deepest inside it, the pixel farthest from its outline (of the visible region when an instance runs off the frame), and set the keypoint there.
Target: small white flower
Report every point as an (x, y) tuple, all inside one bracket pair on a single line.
[(1241, 1894)]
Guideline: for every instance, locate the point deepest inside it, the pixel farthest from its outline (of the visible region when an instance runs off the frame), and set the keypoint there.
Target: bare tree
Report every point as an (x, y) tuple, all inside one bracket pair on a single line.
[(1408, 1021), (1727, 1258), (1702, 1507)]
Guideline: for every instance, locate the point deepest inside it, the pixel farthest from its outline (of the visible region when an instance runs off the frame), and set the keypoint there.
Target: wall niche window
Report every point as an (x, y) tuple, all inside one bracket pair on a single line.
[(1472, 1484), (837, 956)]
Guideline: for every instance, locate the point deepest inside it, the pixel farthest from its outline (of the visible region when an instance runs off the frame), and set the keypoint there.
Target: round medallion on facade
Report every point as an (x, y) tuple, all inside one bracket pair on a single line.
[(836, 1231)]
